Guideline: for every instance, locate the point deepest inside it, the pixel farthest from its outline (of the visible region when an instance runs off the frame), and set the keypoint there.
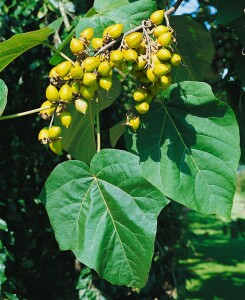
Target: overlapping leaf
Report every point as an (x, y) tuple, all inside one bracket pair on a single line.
[(20, 43), (3, 96), (79, 139), (128, 12), (189, 148), (105, 214), (228, 11), (195, 45)]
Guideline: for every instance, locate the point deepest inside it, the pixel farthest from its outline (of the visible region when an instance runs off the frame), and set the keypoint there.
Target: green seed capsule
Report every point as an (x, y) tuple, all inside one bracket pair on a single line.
[(81, 105), (87, 92), (142, 107), (133, 40), (140, 95), (76, 46), (63, 69), (56, 146), (65, 93), (91, 63), (165, 39), (65, 118), (87, 33), (54, 132), (105, 83), (104, 68), (89, 79), (52, 94), (76, 72)]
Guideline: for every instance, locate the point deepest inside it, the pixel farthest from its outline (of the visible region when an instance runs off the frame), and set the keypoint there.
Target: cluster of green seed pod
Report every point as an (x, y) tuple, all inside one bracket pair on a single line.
[(226, 46), (145, 53)]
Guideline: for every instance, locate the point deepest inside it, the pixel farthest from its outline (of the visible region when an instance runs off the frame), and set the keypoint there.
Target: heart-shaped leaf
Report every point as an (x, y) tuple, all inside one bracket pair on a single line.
[(3, 96), (106, 214), (20, 43), (195, 46), (189, 148)]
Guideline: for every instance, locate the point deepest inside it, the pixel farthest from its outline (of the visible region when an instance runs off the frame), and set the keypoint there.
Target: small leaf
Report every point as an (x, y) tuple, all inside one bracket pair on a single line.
[(20, 43), (195, 46), (116, 132), (106, 214), (189, 148), (228, 11), (3, 96), (79, 139)]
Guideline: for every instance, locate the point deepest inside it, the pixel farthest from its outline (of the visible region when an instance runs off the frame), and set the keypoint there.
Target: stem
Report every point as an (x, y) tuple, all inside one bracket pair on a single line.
[(64, 15), (25, 113), (57, 51), (98, 125)]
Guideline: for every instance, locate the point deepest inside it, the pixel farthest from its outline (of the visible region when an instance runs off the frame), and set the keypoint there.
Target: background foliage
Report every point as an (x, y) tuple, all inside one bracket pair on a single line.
[(34, 267)]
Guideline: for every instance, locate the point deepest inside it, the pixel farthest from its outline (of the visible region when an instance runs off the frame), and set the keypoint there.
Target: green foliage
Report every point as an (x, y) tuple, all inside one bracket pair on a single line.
[(128, 12), (189, 148), (3, 253), (196, 48), (228, 11), (191, 155), (20, 43), (105, 214), (3, 96)]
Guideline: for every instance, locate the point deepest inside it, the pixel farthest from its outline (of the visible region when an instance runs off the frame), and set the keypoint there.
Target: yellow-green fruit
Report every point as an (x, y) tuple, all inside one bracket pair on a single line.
[(54, 132), (52, 72), (63, 68), (140, 95), (43, 135), (151, 76), (133, 40), (87, 33), (155, 59), (157, 17), (65, 93), (49, 108), (76, 72), (140, 64), (76, 46), (81, 105), (130, 55), (105, 83), (52, 94), (175, 60), (160, 29), (87, 92), (65, 118), (142, 107), (134, 123), (104, 68), (164, 82), (89, 79), (97, 43), (165, 39), (116, 56), (115, 31), (160, 69), (164, 54), (56, 146), (91, 63), (141, 49), (75, 87)]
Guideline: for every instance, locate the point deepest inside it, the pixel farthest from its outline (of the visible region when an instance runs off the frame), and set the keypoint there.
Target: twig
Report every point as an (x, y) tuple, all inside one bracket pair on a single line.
[(98, 125), (64, 15), (57, 51), (171, 10), (25, 113)]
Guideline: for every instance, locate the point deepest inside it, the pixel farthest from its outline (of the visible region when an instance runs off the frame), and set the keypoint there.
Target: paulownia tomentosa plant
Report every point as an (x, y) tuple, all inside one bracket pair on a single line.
[(183, 143)]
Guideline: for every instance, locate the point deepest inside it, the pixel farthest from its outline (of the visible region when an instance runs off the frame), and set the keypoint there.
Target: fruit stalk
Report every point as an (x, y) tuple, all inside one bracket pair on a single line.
[(60, 53), (25, 113)]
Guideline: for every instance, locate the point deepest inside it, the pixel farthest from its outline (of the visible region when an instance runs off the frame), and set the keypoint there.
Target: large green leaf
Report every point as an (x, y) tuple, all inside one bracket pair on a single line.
[(3, 254), (20, 43), (239, 27), (106, 214), (195, 45), (189, 148), (79, 139), (229, 10), (128, 12), (3, 96)]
